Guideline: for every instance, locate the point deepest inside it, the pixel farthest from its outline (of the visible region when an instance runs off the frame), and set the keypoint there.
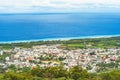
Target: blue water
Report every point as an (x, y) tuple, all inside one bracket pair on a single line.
[(20, 27)]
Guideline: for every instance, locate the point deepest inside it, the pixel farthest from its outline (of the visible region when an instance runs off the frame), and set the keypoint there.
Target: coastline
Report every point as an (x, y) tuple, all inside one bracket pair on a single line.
[(61, 39)]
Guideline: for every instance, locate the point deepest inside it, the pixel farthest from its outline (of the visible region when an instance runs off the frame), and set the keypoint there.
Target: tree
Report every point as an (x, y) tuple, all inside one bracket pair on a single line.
[(13, 76), (78, 72), (113, 75), (37, 72)]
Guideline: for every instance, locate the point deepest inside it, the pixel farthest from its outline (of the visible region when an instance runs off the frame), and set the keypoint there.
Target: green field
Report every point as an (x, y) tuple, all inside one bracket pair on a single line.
[(113, 42)]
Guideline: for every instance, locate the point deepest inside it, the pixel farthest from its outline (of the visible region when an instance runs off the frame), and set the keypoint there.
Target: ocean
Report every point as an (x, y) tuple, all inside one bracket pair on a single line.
[(48, 26)]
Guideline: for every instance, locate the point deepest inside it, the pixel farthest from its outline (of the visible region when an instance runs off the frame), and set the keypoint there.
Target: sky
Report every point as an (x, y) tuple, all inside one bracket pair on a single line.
[(41, 6)]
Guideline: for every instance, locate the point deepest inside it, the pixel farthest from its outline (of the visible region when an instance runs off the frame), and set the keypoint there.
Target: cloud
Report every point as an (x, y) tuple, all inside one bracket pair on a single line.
[(58, 5)]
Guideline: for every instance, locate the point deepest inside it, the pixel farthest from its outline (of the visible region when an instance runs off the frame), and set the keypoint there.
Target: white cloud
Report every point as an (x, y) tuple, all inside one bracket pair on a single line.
[(57, 5)]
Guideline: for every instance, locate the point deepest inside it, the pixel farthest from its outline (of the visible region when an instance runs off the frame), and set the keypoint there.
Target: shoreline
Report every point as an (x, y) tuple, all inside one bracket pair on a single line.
[(61, 39)]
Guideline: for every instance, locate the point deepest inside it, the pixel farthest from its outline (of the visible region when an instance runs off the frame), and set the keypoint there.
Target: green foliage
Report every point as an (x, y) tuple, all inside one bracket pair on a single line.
[(113, 75), (2, 57), (113, 42), (1, 76), (49, 72), (13, 68), (78, 73), (13, 76), (26, 69), (59, 73)]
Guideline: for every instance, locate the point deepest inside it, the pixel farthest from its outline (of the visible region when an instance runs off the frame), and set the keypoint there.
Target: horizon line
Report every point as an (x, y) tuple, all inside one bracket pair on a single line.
[(55, 13)]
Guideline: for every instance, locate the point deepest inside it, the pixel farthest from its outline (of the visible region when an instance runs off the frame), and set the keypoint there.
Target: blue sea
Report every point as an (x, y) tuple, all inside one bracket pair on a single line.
[(50, 26)]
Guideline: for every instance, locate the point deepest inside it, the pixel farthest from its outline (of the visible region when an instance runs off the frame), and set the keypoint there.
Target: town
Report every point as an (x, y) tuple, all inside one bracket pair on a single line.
[(91, 59)]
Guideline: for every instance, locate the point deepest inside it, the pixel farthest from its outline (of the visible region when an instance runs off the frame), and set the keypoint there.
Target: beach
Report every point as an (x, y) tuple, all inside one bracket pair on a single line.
[(61, 39)]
